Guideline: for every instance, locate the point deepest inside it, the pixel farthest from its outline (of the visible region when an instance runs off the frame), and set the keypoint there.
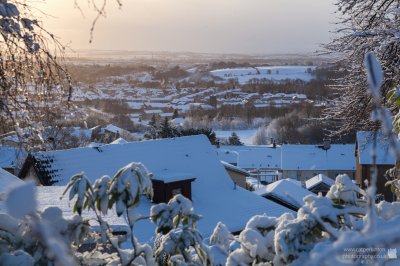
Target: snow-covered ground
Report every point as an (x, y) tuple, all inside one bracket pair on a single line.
[(245, 136), (273, 73)]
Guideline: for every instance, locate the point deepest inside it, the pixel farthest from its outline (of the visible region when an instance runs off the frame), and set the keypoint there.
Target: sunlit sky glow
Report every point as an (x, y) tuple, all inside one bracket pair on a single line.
[(218, 26)]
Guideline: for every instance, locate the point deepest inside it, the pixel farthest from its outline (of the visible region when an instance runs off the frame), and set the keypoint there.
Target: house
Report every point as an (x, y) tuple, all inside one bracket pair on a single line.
[(148, 114), (187, 160), (287, 192), (238, 175), (119, 141), (364, 162), (108, 133), (261, 161), (319, 184), (302, 162), (269, 163)]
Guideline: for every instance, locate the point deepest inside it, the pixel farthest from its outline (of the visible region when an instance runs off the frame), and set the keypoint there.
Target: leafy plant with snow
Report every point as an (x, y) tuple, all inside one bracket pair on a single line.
[(28, 237), (177, 236), (123, 192)]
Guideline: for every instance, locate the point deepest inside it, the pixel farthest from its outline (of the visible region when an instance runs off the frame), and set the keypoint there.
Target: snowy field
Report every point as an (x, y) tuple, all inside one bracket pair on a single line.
[(244, 135), (274, 73)]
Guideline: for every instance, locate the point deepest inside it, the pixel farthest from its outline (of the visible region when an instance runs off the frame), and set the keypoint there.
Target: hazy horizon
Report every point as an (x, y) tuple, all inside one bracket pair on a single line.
[(266, 27)]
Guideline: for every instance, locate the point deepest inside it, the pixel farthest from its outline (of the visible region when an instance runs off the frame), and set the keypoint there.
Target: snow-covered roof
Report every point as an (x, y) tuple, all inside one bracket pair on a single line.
[(178, 121), (114, 129), (153, 111), (213, 192), (119, 141), (168, 177), (7, 180), (314, 157), (250, 157), (364, 145), (235, 168), (9, 156), (287, 190), (319, 179), (273, 73), (94, 144)]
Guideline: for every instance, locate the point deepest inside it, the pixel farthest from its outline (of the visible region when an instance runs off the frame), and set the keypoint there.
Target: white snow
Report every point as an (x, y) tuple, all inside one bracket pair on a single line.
[(49, 196), (22, 193), (251, 157), (168, 177), (119, 141), (318, 179), (7, 180), (10, 156), (314, 157), (287, 190), (274, 73)]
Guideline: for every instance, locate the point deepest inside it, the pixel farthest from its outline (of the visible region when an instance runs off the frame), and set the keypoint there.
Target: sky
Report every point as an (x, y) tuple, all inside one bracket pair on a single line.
[(218, 26)]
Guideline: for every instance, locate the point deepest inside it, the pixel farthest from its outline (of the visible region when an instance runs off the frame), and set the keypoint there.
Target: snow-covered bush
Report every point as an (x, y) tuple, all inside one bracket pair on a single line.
[(256, 242), (177, 236), (344, 191), (123, 193), (28, 237)]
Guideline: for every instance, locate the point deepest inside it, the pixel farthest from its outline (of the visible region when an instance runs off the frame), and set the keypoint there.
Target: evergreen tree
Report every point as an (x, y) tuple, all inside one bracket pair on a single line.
[(200, 131), (153, 121), (234, 140), (176, 114), (166, 131)]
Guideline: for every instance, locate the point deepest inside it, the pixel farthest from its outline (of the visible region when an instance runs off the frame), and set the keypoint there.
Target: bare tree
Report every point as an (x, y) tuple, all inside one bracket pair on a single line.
[(33, 78), (367, 26)]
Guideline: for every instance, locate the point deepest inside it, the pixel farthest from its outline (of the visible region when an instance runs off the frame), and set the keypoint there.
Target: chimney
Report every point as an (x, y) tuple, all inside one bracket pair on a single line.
[(327, 144)]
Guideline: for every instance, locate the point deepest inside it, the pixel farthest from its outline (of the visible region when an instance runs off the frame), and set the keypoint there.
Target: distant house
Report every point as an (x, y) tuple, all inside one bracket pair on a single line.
[(119, 141), (319, 184), (176, 164), (108, 133), (302, 162), (262, 161), (148, 114), (384, 161), (238, 175), (269, 163), (287, 192)]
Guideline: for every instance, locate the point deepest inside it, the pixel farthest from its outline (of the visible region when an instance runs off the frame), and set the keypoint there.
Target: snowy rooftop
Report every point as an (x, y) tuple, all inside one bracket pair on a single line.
[(213, 192), (119, 141), (9, 156), (114, 129), (250, 157), (169, 177), (273, 73), (319, 179), (286, 190), (290, 157), (314, 157), (364, 144), (235, 168), (7, 180)]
